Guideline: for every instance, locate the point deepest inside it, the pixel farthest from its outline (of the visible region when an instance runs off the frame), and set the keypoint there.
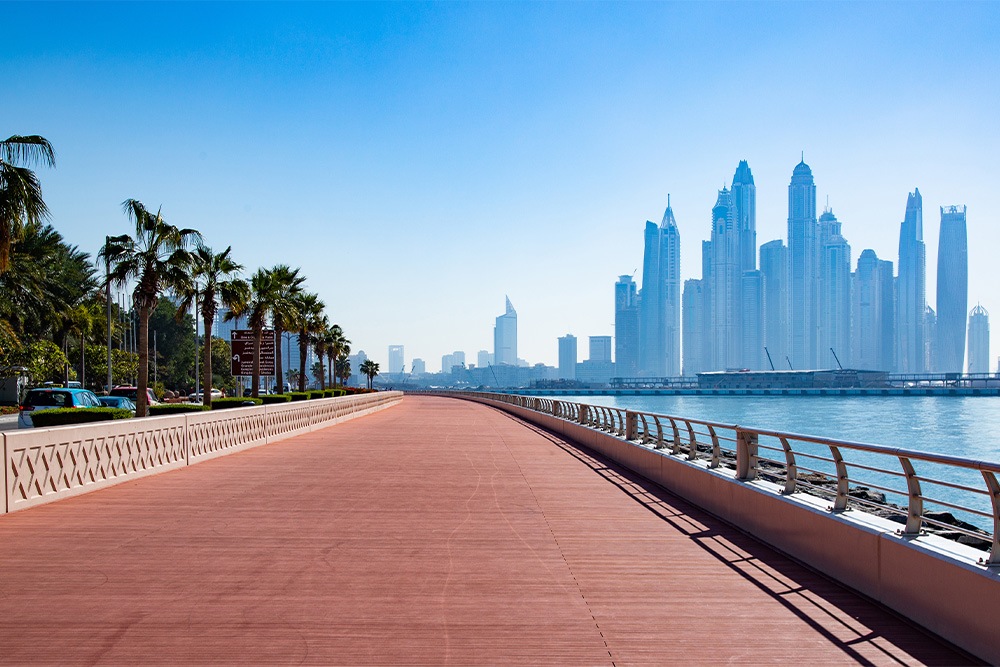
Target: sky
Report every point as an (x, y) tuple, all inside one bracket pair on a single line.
[(421, 161)]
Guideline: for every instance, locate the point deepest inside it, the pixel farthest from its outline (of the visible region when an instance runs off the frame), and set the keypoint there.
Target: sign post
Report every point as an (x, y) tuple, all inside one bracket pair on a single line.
[(241, 341)]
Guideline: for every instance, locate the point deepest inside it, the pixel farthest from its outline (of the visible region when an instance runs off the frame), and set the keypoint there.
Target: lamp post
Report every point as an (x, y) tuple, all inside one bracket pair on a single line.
[(107, 297)]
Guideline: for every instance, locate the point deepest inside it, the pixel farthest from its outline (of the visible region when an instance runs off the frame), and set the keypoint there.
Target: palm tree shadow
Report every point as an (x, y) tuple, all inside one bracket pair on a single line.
[(844, 617)]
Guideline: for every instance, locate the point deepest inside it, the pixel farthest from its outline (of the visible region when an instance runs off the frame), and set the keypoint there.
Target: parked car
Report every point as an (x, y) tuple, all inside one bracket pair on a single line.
[(132, 393), (117, 402), (197, 398), (49, 399)]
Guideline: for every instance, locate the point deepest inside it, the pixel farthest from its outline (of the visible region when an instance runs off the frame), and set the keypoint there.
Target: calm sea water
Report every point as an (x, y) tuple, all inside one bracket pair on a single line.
[(967, 426)]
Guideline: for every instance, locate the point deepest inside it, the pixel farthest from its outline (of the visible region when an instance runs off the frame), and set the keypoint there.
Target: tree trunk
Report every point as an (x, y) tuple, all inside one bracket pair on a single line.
[(329, 370), (207, 363), (278, 367), (258, 334), (142, 382), (322, 376), (302, 360), (83, 361)]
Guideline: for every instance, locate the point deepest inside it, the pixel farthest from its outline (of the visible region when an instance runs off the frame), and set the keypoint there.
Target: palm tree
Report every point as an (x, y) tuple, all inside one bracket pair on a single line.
[(212, 281), (21, 200), (339, 346), (308, 314), (260, 304), (343, 368), (80, 320), (155, 258), (369, 368), (288, 284), (319, 341)]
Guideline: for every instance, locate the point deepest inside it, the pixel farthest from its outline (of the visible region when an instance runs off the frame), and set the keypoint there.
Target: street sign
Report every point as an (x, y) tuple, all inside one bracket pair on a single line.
[(241, 341)]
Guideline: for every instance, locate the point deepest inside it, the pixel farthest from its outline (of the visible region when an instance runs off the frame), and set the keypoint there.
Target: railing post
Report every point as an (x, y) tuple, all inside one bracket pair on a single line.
[(994, 488), (631, 425), (581, 413), (716, 450), (791, 472), (746, 454), (915, 513), (843, 482)]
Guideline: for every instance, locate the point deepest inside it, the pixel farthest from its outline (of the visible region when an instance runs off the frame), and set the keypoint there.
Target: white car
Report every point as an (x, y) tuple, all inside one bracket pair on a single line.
[(197, 398)]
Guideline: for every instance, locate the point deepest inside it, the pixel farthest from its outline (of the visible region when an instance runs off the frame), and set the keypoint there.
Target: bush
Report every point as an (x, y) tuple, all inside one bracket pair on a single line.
[(316, 394), (275, 398), (298, 395), (60, 416), (226, 403), (329, 393), (339, 392), (175, 408)]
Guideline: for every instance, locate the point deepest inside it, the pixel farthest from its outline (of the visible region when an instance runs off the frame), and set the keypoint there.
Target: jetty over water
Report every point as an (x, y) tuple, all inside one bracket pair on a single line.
[(435, 532)]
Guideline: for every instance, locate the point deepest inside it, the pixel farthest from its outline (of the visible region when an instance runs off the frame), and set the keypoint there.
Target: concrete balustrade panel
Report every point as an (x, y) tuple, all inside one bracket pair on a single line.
[(935, 582), (44, 465), (52, 463), (221, 432)]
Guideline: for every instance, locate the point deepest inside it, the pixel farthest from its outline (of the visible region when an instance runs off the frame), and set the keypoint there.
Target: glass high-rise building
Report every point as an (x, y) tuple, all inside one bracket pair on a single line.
[(979, 340), (752, 321), (567, 357), (774, 270), (866, 318), (659, 302), (726, 290), (803, 268), (395, 359), (600, 348), (834, 293), (695, 332), (910, 284), (952, 290), (626, 328), (744, 197), (505, 337)]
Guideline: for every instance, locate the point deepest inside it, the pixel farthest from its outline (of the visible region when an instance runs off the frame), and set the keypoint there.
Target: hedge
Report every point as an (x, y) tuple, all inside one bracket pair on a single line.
[(60, 416), (176, 408), (268, 399), (226, 403), (316, 394), (299, 395)]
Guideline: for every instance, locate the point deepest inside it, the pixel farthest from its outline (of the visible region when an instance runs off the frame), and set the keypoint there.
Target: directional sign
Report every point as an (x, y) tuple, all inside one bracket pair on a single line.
[(241, 342)]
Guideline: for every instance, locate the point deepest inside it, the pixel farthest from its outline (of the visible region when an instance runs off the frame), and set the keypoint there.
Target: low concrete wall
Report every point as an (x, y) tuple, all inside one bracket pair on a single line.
[(935, 582), (44, 465)]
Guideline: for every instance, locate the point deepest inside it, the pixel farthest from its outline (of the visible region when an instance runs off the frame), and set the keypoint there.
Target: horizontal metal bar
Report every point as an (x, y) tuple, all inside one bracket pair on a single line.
[(953, 506), (961, 487)]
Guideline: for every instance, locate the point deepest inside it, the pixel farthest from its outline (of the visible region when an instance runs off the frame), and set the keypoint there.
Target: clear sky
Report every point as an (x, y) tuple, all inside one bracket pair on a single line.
[(421, 161)]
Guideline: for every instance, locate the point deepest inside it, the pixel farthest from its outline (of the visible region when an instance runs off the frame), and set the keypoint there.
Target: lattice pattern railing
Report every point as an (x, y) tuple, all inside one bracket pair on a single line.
[(42, 465)]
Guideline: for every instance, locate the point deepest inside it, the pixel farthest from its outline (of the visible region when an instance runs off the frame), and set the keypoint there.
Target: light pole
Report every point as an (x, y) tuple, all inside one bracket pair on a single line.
[(107, 297)]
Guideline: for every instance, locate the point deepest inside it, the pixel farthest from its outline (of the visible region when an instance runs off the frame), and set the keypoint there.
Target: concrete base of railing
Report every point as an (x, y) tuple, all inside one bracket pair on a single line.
[(44, 465), (935, 582)]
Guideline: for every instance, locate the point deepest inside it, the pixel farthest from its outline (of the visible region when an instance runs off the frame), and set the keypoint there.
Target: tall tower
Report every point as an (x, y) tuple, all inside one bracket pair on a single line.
[(803, 261), (660, 301), (887, 331), (979, 340), (726, 293), (835, 293), (774, 269), (695, 335), (396, 359), (670, 277), (866, 318), (567, 357), (744, 194), (626, 328), (952, 290), (910, 298), (505, 337)]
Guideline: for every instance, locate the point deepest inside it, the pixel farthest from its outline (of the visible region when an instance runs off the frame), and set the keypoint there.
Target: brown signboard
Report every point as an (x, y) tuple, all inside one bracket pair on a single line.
[(241, 341)]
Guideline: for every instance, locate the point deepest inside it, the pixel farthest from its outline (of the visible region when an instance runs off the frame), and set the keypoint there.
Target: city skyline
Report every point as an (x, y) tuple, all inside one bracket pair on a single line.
[(295, 131)]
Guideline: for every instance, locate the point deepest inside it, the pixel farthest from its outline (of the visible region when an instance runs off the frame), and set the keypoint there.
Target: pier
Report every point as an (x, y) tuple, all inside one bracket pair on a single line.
[(435, 532)]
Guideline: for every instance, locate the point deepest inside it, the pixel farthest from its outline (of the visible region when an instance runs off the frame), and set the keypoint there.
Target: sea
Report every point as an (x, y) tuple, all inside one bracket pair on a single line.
[(965, 426)]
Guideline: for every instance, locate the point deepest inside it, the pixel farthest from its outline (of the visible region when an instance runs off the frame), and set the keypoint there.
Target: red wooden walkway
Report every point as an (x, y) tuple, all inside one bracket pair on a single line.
[(438, 532)]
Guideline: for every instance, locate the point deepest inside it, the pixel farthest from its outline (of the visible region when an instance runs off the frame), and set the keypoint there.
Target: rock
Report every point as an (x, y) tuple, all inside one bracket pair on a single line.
[(864, 493)]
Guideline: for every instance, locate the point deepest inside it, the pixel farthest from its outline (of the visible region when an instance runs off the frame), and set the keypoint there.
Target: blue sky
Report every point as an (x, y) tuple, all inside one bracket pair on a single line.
[(420, 161)]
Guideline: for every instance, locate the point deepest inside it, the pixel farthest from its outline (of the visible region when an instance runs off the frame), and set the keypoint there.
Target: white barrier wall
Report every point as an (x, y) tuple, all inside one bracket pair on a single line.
[(43, 465)]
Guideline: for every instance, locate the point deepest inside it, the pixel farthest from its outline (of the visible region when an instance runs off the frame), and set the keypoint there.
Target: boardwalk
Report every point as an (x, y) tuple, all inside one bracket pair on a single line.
[(438, 532)]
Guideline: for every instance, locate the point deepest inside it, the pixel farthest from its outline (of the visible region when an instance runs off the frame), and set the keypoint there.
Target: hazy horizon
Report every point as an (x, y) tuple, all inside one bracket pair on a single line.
[(421, 161)]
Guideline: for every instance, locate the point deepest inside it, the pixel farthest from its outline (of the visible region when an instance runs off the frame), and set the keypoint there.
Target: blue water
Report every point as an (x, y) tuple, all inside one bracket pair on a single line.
[(966, 426)]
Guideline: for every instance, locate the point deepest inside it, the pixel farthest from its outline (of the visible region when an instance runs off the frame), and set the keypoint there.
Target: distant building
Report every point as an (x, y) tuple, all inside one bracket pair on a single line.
[(483, 359), (910, 284), (357, 379), (447, 361), (774, 271), (887, 295), (752, 321), (395, 359), (419, 367), (659, 302), (979, 340), (505, 337), (600, 348), (866, 315), (695, 330), (834, 294), (952, 290), (803, 267), (567, 357), (626, 328), (595, 372), (748, 315)]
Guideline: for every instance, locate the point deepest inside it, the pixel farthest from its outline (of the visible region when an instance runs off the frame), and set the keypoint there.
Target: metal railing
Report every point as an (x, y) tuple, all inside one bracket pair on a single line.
[(849, 474)]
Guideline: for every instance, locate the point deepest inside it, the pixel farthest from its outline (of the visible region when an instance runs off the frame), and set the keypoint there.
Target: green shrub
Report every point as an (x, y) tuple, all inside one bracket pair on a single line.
[(176, 408), (60, 416), (316, 394), (329, 393), (226, 403), (299, 395), (339, 392), (276, 398)]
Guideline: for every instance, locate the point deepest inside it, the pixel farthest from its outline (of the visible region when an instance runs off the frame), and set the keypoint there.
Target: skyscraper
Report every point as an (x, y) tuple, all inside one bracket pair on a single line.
[(744, 196), (910, 299), (952, 290), (567, 357), (726, 293), (395, 359), (695, 334), (979, 340), (887, 296), (835, 294), (752, 321), (659, 302), (803, 260), (866, 319), (626, 328), (774, 269), (505, 337), (600, 348)]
